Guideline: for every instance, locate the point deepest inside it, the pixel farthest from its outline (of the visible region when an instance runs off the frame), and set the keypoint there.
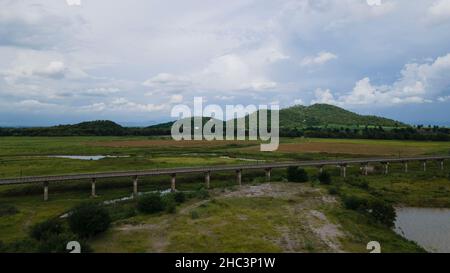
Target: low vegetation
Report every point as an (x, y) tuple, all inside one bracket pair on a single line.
[(88, 219), (296, 174)]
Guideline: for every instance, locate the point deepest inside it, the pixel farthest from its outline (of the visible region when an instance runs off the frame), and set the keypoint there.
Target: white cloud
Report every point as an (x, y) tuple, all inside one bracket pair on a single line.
[(230, 72), (124, 104), (73, 2), (323, 96), (440, 10), (319, 59), (177, 98), (100, 91), (373, 2), (419, 83), (444, 99), (168, 81)]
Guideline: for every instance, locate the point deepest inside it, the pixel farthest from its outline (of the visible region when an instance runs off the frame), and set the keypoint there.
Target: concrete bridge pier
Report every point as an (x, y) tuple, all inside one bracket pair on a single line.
[(207, 179), (366, 169), (405, 164), (424, 166), (172, 182), (343, 170), (320, 168), (239, 177), (135, 187), (268, 173), (441, 163), (45, 191), (93, 194), (386, 168)]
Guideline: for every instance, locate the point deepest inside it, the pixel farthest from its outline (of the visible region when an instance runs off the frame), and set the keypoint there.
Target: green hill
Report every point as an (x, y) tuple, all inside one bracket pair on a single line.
[(318, 115), (325, 115)]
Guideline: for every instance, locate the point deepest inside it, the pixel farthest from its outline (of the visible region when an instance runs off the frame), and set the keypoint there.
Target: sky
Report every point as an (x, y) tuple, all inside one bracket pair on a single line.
[(66, 61)]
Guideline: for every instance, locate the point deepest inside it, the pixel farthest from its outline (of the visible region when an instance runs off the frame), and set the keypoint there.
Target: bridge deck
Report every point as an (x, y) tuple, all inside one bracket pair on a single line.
[(185, 170)]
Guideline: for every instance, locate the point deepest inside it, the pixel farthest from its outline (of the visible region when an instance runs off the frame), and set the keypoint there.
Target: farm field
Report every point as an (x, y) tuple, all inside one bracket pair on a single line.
[(29, 156)]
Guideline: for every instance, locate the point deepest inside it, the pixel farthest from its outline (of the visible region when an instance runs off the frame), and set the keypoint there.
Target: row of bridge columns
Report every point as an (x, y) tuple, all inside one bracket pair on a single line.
[(268, 172), (365, 167)]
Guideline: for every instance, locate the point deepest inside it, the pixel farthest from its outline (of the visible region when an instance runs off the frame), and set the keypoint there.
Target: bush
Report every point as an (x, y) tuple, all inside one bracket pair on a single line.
[(46, 229), (58, 244), (358, 182), (26, 245), (7, 209), (179, 197), (202, 194), (333, 190), (87, 220), (379, 210), (294, 174), (324, 178), (382, 212), (169, 203), (150, 203), (170, 206), (355, 203), (194, 215)]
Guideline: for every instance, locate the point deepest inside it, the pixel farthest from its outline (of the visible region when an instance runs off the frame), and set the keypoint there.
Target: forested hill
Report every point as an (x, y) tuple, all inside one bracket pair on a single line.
[(324, 114)]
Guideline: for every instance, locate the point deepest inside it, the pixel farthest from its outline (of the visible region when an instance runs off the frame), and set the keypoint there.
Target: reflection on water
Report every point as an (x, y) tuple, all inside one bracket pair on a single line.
[(85, 157), (428, 227)]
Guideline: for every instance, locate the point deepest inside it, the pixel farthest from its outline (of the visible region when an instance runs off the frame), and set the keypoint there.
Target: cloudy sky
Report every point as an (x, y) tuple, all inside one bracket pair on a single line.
[(64, 61)]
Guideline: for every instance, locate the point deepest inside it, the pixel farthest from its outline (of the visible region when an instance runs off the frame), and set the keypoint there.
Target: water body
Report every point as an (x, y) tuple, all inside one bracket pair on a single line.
[(428, 227), (86, 157)]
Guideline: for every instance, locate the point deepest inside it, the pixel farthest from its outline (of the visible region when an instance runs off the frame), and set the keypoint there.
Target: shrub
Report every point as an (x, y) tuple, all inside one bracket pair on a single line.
[(58, 244), (150, 203), (324, 178), (358, 182), (46, 229), (355, 203), (169, 203), (379, 210), (26, 245), (170, 206), (179, 197), (202, 194), (382, 212), (194, 215), (294, 174), (87, 220), (7, 209), (333, 190)]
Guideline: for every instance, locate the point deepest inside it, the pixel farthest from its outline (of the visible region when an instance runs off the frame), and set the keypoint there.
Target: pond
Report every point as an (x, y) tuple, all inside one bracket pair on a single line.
[(86, 157), (428, 227)]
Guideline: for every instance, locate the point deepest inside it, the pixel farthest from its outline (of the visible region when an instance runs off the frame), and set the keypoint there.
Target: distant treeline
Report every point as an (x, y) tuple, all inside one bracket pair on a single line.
[(434, 133), (109, 128)]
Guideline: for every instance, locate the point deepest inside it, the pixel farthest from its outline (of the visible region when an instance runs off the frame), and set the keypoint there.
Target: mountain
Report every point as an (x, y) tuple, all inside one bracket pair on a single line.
[(88, 128), (317, 115), (293, 121), (325, 115)]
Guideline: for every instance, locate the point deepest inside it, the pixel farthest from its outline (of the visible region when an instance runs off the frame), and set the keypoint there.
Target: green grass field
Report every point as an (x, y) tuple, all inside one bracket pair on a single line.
[(267, 215)]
